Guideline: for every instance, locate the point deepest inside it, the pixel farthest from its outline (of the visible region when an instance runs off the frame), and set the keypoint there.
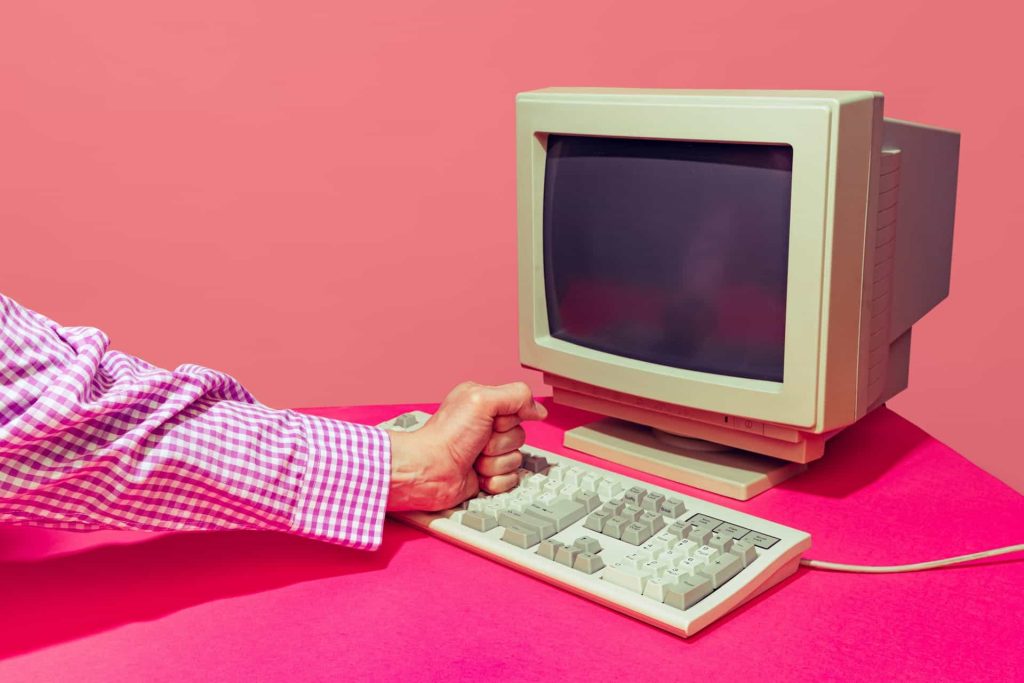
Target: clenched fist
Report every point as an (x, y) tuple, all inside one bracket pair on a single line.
[(471, 443)]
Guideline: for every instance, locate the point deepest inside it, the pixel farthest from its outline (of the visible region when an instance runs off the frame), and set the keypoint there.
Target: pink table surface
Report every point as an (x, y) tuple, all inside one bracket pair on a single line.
[(115, 606)]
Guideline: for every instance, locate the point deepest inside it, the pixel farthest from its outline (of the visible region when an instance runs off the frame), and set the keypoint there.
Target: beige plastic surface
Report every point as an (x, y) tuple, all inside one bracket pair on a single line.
[(835, 294), (733, 473), (749, 435)]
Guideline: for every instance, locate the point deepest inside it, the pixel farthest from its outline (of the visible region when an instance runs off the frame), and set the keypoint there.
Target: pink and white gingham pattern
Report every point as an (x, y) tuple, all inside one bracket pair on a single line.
[(96, 439)]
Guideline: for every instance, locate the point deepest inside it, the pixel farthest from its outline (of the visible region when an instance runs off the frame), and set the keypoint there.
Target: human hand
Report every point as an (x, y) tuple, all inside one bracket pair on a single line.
[(471, 443)]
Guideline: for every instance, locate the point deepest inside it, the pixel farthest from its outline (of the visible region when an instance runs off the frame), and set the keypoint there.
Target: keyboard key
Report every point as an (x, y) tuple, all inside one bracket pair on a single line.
[(634, 560), (405, 421), (596, 520), (636, 533), (620, 574), (652, 568), (553, 486), (588, 544), (588, 563), (476, 505), (631, 511), (548, 548), (685, 547), (569, 490), (690, 566), (652, 502), (520, 537), (615, 526), (731, 530), (673, 507), (547, 498), (679, 529), (745, 550), (700, 535), (589, 482), (555, 473), (562, 512), (589, 499), (614, 506), (534, 463), (543, 528), (665, 539), (536, 483), (761, 540), (701, 520), (608, 489), (479, 521), (656, 522), (688, 592), (635, 495), (706, 554), (572, 476), (719, 542), (651, 550), (674, 575), (655, 588), (722, 568), (567, 555), (672, 557)]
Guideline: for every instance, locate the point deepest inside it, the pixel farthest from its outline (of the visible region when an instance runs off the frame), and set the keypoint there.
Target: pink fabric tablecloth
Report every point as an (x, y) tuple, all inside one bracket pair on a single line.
[(115, 606)]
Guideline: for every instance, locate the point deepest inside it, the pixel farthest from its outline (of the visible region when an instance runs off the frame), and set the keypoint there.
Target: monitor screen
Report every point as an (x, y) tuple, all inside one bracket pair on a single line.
[(669, 252)]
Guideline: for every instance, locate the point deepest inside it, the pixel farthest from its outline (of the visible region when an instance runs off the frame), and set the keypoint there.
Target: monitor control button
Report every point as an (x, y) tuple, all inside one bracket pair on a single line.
[(745, 425)]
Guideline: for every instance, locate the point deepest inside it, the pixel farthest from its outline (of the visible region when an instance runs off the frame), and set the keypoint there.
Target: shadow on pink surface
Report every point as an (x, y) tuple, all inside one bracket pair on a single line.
[(856, 457), (61, 598)]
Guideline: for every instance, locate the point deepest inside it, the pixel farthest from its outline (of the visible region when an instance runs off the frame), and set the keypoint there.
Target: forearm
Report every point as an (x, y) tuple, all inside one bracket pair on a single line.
[(91, 438)]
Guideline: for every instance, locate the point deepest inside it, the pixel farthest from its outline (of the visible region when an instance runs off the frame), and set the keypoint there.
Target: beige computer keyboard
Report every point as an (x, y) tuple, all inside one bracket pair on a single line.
[(669, 559)]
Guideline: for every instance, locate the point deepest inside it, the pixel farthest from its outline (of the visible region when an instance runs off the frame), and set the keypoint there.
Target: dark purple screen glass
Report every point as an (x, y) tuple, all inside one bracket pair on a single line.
[(669, 252)]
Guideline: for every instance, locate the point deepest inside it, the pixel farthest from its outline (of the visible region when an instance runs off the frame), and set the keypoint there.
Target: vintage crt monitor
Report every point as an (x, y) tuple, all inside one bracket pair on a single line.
[(731, 277)]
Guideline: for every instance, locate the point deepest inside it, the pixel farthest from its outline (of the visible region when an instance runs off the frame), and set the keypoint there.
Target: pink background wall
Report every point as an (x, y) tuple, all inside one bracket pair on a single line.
[(318, 197)]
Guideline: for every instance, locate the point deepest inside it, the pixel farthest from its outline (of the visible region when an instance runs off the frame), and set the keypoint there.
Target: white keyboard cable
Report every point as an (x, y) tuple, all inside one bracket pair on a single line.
[(920, 566)]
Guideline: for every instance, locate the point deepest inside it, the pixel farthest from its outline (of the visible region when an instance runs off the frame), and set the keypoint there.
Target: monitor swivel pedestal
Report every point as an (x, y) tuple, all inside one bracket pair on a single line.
[(702, 464)]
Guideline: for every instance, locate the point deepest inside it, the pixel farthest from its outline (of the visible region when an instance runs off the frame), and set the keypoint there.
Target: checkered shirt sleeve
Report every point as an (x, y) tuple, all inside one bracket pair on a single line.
[(92, 438)]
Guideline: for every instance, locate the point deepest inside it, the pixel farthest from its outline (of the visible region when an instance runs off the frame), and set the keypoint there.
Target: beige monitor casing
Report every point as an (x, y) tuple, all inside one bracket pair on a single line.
[(869, 254)]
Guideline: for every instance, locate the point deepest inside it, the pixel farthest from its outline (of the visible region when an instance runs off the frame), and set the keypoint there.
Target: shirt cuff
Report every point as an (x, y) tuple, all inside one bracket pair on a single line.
[(343, 493)]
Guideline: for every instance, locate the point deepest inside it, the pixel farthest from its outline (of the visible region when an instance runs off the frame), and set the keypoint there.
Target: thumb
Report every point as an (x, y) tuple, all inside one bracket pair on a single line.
[(534, 411), (515, 399)]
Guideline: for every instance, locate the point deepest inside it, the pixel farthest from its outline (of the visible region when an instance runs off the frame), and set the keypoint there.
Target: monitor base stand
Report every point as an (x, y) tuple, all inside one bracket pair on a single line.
[(702, 464)]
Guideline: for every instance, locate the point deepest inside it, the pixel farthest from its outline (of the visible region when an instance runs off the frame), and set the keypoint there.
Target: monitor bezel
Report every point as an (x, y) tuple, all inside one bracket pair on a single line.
[(804, 125)]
